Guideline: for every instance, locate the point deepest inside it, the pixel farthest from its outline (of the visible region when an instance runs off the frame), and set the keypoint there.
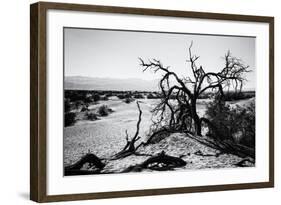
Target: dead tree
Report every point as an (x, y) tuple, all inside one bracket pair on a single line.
[(130, 147), (188, 90)]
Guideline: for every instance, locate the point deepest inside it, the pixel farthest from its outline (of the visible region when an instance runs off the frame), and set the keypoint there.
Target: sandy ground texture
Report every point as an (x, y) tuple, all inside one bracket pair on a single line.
[(106, 136), (177, 145)]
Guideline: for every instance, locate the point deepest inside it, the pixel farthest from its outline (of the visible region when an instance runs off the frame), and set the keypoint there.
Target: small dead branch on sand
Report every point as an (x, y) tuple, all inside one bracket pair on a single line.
[(130, 147), (243, 162), (95, 165), (200, 153), (159, 162)]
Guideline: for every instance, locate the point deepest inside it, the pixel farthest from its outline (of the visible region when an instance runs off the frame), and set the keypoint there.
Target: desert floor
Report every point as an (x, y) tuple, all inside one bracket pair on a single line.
[(106, 136)]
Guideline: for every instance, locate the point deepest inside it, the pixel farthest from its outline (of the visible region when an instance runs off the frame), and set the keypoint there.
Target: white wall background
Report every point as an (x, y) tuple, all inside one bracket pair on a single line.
[(14, 102)]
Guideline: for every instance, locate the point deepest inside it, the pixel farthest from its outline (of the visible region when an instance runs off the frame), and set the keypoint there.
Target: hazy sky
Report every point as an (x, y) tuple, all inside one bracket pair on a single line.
[(114, 54)]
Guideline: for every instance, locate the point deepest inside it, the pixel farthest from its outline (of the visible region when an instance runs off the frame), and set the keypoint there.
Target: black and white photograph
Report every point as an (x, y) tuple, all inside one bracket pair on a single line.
[(143, 101)]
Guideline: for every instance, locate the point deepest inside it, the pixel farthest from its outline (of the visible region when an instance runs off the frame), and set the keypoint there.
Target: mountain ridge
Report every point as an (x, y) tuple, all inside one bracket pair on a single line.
[(114, 84), (108, 83)]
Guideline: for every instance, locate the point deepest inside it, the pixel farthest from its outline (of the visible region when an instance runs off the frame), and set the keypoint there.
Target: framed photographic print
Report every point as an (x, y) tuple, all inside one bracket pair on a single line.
[(134, 102)]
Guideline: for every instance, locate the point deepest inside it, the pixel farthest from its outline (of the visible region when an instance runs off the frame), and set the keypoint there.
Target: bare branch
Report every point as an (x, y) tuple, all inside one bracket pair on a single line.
[(231, 75), (157, 66), (130, 148)]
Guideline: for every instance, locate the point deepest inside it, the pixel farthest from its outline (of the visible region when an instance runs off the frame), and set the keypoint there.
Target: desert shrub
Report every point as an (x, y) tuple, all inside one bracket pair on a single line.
[(96, 97), (109, 95), (89, 100), (236, 124), (91, 116), (105, 98), (150, 96), (128, 95), (84, 109), (218, 113), (104, 110), (75, 95), (128, 100), (138, 96), (69, 118), (247, 125), (79, 104), (121, 96), (153, 96), (67, 105)]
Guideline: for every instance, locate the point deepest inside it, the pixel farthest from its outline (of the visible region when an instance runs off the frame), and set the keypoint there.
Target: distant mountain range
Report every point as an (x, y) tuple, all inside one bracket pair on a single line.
[(93, 83), (129, 84)]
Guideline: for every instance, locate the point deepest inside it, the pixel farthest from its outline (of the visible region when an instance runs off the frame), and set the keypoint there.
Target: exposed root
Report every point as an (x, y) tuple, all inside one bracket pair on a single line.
[(242, 163), (160, 162), (90, 160)]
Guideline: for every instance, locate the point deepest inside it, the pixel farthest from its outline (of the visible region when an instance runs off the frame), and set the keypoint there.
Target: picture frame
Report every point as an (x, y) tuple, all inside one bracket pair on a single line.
[(40, 91)]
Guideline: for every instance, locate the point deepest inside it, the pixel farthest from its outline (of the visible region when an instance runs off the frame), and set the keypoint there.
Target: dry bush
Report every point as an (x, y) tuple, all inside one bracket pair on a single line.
[(96, 97), (69, 119), (121, 96), (104, 110), (91, 116), (138, 96), (236, 124), (152, 96), (84, 109), (128, 100), (105, 98)]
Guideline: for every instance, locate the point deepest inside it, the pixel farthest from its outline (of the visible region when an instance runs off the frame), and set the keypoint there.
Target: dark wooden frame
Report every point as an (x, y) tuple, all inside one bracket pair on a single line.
[(38, 101)]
